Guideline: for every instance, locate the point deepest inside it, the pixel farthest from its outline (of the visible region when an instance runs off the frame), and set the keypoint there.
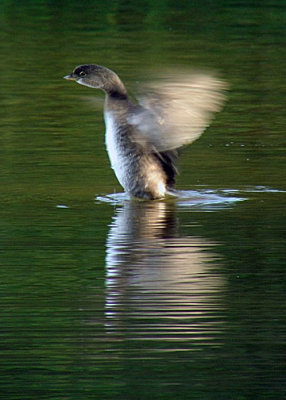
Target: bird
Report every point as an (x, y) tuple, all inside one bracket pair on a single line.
[(143, 138)]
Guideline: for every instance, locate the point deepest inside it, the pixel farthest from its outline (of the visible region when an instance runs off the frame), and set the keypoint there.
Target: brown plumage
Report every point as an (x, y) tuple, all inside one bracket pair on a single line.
[(142, 139)]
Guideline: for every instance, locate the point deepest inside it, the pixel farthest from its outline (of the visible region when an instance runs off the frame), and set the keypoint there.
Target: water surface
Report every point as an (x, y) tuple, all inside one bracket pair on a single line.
[(176, 299)]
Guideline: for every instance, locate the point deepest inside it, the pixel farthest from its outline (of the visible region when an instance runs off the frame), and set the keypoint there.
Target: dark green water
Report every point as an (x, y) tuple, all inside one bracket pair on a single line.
[(160, 300)]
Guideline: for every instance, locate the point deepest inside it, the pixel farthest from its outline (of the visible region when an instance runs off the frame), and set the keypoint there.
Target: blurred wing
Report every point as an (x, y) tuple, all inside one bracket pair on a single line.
[(178, 109)]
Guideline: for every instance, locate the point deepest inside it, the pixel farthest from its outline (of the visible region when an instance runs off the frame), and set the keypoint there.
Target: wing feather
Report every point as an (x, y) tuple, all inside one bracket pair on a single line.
[(177, 109)]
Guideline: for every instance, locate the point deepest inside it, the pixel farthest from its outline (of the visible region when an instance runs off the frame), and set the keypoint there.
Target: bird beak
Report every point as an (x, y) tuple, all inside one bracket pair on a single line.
[(70, 77)]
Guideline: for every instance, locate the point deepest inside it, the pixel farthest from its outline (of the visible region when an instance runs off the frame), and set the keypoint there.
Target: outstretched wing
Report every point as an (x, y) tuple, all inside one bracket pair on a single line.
[(177, 109)]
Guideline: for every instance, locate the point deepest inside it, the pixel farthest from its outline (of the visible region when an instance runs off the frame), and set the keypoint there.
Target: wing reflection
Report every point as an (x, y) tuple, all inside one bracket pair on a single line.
[(160, 285)]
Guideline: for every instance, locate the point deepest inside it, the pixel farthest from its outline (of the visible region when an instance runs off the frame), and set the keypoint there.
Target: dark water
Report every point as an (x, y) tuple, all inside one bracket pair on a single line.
[(178, 299)]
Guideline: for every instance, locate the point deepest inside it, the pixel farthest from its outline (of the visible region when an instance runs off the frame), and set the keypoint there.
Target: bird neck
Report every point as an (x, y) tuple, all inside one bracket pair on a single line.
[(115, 94), (115, 89)]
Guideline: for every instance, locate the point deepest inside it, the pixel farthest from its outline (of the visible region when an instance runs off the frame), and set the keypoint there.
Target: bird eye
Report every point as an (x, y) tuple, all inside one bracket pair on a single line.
[(82, 73)]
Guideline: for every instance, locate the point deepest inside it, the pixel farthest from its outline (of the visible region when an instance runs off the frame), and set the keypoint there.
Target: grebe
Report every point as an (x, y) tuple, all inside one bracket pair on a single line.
[(142, 139)]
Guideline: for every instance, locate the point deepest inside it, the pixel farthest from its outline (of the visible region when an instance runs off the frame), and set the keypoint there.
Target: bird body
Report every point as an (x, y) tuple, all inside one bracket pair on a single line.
[(136, 167), (142, 139)]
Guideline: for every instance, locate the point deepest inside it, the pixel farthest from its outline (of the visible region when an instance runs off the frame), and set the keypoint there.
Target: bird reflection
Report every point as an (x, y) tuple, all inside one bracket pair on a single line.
[(160, 284)]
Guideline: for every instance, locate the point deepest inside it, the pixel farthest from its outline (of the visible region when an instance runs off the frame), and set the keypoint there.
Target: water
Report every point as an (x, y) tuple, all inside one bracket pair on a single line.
[(111, 299)]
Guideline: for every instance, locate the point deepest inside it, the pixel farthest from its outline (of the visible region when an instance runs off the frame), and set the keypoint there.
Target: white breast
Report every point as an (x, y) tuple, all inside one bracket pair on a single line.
[(113, 148), (151, 178)]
